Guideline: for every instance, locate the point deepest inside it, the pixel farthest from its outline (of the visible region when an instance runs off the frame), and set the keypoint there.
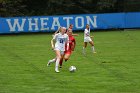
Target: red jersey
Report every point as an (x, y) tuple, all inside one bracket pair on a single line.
[(70, 44)]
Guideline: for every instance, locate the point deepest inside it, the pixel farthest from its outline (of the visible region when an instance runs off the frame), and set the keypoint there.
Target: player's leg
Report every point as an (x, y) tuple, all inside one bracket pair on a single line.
[(61, 61), (85, 45), (51, 61), (58, 57), (67, 56), (92, 46)]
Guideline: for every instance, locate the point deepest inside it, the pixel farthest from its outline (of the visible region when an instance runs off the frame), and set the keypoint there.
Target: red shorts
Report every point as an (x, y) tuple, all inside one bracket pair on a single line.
[(68, 52)]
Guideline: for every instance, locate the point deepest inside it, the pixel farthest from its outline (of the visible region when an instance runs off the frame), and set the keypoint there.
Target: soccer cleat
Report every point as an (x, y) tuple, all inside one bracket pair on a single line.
[(48, 64), (60, 67), (66, 60), (83, 53), (94, 52), (57, 71)]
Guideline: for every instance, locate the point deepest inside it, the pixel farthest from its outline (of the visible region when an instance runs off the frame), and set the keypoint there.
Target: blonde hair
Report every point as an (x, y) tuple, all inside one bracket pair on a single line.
[(62, 28)]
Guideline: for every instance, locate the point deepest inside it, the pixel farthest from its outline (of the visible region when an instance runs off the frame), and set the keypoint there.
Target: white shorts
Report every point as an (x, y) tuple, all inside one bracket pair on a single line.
[(61, 51), (87, 39)]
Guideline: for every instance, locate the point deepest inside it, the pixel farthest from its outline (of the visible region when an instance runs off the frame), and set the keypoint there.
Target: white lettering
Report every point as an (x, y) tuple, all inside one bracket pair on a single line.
[(16, 24), (43, 24), (55, 23), (33, 24), (93, 23), (79, 22), (67, 20), (47, 23)]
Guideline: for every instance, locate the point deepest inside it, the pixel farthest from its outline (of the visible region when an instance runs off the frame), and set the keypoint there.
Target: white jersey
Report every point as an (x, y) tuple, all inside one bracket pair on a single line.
[(60, 41), (87, 35)]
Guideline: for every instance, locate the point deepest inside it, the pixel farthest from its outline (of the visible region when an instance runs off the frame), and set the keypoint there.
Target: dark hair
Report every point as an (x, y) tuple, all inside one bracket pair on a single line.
[(71, 24)]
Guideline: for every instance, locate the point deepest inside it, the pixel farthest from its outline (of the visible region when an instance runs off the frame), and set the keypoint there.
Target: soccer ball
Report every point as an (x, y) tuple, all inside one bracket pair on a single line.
[(72, 68)]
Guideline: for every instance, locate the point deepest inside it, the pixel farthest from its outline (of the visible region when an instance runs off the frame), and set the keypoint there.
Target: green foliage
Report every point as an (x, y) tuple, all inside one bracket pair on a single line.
[(54, 7), (12, 8), (61, 7)]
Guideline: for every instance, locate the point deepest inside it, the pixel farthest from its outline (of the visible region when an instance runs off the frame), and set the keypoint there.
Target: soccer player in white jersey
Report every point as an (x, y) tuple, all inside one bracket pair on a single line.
[(58, 44), (87, 39)]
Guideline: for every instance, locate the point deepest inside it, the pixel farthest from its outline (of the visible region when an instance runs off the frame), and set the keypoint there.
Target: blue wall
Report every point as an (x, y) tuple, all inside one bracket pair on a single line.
[(132, 20), (51, 23)]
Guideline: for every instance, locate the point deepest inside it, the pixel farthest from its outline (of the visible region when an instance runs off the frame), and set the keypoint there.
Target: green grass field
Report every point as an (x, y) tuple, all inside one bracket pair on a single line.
[(114, 69)]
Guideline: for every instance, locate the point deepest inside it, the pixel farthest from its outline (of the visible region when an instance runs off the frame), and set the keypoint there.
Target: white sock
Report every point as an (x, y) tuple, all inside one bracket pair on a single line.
[(93, 49), (57, 63), (83, 50), (53, 60)]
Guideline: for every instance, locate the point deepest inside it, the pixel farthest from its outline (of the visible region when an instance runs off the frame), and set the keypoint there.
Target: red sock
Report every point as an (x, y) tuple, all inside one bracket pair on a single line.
[(61, 61)]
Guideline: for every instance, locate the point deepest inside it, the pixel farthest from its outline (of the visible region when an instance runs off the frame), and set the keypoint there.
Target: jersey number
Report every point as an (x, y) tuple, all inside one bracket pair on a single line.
[(61, 41)]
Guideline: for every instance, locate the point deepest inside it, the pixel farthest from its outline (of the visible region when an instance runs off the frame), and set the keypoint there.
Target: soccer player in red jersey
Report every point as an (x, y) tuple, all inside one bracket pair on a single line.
[(69, 47), (70, 28)]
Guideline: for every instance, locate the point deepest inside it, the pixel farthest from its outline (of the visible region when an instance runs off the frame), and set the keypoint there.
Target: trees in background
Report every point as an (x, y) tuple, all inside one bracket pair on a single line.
[(12, 8), (60, 7)]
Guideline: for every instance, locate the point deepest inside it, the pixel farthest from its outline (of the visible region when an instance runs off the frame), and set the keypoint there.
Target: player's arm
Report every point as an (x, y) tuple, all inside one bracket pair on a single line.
[(74, 34), (53, 41), (67, 40)]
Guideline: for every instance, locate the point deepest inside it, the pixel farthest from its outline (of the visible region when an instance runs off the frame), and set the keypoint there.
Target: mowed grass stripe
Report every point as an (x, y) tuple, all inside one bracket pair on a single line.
[(114, 69), (21, 59)]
